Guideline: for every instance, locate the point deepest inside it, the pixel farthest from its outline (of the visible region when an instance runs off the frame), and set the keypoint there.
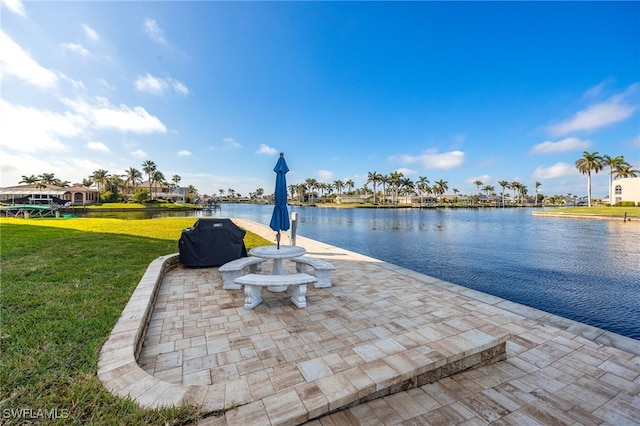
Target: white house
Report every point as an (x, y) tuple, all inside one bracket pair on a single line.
[(626, 189)]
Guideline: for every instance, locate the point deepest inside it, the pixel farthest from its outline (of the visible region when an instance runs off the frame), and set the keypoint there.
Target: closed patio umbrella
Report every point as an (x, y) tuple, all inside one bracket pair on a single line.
[(280, 216)]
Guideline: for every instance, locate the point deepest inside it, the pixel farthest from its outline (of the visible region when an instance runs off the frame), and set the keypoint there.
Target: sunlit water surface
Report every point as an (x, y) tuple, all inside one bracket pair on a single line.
[(585, 270)]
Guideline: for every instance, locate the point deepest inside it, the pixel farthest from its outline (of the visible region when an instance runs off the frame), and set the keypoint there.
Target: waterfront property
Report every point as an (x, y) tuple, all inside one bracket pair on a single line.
[(46, 194), (626, 189)]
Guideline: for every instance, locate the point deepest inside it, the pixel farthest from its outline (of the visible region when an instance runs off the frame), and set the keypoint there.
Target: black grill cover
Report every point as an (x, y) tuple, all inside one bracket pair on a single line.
[(211, 242)]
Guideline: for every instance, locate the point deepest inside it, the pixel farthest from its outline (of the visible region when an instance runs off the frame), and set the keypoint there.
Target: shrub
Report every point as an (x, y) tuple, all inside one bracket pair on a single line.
[(626, 204)]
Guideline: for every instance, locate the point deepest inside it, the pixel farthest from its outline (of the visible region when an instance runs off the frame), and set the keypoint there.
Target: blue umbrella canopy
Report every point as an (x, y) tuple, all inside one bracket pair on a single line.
[(280, 216)]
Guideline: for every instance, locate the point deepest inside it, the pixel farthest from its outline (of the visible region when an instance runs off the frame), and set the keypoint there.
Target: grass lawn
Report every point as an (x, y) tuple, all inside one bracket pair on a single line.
[(64, 285), (594, 211)]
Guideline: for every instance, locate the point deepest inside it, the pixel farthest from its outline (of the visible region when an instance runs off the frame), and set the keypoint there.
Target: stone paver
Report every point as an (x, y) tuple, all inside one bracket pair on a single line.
[(380, 328)]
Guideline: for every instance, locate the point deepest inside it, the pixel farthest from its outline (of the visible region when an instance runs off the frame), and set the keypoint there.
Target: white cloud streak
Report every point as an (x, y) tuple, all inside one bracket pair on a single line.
[(554, 171), (75, 48), (158, 86), (15, 6), (98, 146), (90, 33), (266, 149), (431, 159), (154, 31), (183, 153), (325, 175), (16, 62), (568, 144), (611, 111)]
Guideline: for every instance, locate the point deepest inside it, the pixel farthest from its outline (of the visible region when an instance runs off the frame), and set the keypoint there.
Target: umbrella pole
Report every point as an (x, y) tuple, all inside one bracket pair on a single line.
[(278, 240)]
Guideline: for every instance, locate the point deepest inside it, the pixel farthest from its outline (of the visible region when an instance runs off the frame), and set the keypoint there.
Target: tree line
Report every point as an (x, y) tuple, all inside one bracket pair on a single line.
[(117, 187)]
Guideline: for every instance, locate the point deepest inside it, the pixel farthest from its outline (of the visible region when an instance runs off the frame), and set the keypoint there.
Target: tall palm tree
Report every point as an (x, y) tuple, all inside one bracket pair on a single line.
[(149, 167), (339, 186), (514, 186), (99, 177), (158, 179), (374, 178), (350, 184), (613, 163), (311, 184), (394, 180), (87, 182), (590, 162), (503, 184), (384, 180), (421, 185), (440, 187), (538, 185), (132, 178)]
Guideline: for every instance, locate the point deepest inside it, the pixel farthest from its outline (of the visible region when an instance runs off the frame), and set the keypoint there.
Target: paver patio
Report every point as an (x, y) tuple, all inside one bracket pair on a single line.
[(375, 347)]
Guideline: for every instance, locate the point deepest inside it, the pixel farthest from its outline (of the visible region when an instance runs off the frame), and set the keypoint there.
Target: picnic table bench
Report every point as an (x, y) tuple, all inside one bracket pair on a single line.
[(321, 267), (232, 270), (296, 283)]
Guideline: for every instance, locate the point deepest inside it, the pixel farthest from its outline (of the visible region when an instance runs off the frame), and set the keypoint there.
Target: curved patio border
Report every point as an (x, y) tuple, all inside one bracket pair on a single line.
[(118, 368)]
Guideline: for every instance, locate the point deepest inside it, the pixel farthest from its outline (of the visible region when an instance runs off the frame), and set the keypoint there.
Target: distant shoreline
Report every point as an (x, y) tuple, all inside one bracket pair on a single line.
[(618, 217)]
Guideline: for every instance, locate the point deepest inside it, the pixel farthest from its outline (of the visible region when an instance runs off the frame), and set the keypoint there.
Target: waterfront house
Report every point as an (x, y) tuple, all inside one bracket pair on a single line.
[(626, 189), (48, 194)]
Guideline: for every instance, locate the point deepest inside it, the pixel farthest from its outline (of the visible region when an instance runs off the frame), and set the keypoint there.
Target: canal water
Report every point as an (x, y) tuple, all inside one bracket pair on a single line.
[(585, 270)]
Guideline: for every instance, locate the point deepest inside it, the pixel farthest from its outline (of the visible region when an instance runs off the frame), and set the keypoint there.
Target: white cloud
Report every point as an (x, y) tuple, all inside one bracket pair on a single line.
[(27, 129), (154, 31), (157, 85), (179, 87), (16, 62), (183, 153), (325, 175), (139, 153), (431, 159), (568, 144), (481, 178), (556, 170), (75, 48), (406, 172), (98, 146), (266, 149), (636, 141), (595, 116), (150, 84), (15, 6), (90, 32), (122, 118), (231, 143)]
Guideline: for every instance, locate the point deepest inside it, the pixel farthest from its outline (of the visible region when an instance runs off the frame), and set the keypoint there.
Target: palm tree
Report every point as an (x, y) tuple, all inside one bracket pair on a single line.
[(538, 185), (440, 187), (191, 194), (504, 184), (406, 186), (613, 163), (514, 186), (48, 178), (339, 185), (421, 184), (384, 180), (132, 177), (311, 184), (158, 179), (590, 162), (149, 167), (394, 180), (87, 182), (625, 171), (374, 178), (29, 179), (99, 177), (349, 184), (478, 184)]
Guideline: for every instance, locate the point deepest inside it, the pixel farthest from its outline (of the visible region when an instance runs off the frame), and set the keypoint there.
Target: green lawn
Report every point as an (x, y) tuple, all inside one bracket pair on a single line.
[(595, 210), (64, 285)]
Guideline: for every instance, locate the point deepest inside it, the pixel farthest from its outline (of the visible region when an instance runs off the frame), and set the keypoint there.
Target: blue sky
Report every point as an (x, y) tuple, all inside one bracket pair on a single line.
[(213, 91)]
